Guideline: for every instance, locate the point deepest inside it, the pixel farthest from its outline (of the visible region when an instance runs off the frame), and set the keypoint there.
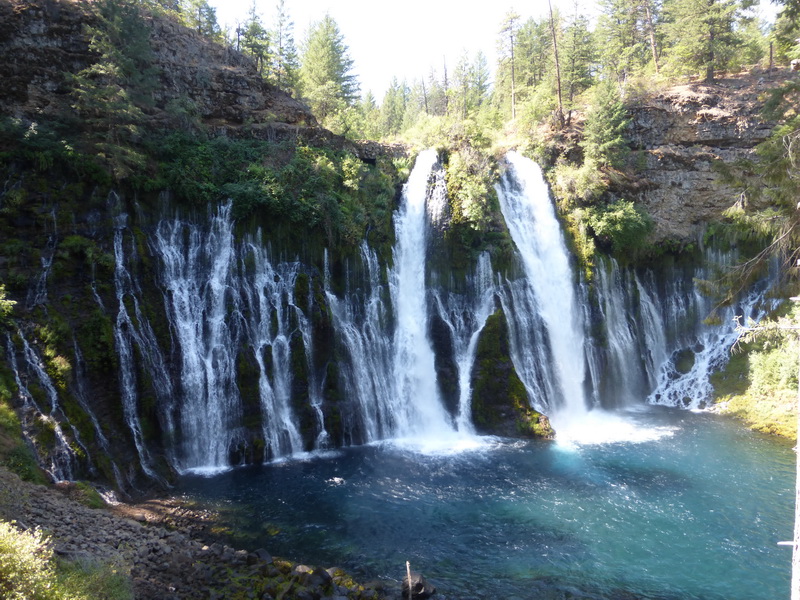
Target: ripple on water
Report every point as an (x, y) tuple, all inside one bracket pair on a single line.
[(691, 510)]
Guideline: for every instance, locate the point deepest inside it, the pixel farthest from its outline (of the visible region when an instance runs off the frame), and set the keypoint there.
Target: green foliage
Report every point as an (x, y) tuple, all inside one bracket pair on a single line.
[(202, 17), (111, 93), (759, 385), (576, 185), (29, 571), (254, 39), (701, 34), (604, 142), (470, 176), (88, 495), (621, 224), (626, 34), (318, 189), (326, 77), (6, 307)]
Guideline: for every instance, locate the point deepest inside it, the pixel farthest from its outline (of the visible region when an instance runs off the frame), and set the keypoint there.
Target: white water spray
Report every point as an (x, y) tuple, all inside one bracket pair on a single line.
[(532, 222), (418, 411)]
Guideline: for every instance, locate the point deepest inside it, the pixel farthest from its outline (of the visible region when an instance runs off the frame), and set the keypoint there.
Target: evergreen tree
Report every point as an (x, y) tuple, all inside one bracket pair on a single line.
[(604, 142), (577, 48), (202, 17), (507, 46), (370, 113), (109, 94), (393, 108), (285, 72), (626, 36), (701, 34), (326, 77), (255, 40)]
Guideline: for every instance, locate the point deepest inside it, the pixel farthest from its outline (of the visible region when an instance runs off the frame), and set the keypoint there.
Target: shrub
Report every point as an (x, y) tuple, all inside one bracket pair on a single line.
[(26, 569), (620, 224)]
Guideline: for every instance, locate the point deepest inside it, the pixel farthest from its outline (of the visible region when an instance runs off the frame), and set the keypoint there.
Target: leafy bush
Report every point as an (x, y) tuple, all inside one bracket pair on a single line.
[(28, 571), (6, 306), (622, 225)]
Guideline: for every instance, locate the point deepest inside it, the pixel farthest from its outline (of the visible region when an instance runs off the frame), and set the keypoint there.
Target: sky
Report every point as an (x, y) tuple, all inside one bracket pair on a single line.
[(405, 39)]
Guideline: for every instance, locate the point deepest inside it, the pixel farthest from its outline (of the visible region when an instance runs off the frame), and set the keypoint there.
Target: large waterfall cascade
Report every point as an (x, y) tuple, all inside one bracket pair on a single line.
[(531, 219), (419, 410), (232, 309)]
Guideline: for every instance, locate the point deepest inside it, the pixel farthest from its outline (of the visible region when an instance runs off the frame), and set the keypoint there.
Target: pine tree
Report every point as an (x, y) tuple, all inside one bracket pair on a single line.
[(202, 17), (255, 40), (285, 71), (507, 45), (626, 36), (326, 77), (578, 53), (393, 108), (700, 34), (604, 141)]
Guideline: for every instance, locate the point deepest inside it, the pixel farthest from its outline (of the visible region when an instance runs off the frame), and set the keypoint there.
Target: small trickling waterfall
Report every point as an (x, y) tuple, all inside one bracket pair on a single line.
[(550, 291), (131, 334), (465, 317), (269, 299), (694, 349), (37, 295), (363, 322), (199, 293), (224, 298), (59, 460)]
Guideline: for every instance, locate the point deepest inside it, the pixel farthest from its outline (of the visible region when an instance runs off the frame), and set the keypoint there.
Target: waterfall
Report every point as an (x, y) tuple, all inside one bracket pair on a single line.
[(694, 349), (60, 459), (624, 379), (136, 333), (549, 293), (37, 295), (465, 317), (389, 375), (418, 409), (269, 297), (362, 322)]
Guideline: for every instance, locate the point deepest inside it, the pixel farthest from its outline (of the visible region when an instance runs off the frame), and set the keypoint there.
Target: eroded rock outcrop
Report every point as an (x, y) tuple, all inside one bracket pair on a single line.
[(680, 133), (44, 41)]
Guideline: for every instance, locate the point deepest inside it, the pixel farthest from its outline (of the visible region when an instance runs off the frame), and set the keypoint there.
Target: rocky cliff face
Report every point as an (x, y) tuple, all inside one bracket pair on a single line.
[(680, 133), (43, 41)]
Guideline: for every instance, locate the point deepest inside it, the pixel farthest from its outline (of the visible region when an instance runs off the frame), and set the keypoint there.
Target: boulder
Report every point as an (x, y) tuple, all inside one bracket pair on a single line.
[(420, 588)]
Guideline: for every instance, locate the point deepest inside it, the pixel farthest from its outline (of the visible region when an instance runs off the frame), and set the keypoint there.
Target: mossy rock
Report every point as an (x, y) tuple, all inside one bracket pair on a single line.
[(500, 404)]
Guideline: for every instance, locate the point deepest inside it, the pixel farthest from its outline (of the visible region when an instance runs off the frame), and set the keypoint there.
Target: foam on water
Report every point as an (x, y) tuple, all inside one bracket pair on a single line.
[(604, 427)]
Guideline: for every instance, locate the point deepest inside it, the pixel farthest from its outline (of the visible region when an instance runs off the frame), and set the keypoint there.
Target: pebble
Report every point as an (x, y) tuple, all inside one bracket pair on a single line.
[(166, 564)]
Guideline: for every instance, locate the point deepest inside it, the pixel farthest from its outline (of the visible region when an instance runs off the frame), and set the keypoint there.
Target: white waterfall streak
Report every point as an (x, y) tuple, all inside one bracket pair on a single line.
[(418, 409), (465, 317), (269, 297), (531, 220)]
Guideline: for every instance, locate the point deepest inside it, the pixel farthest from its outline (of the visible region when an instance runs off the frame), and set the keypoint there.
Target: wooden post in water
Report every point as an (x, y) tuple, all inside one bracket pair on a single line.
[(796, 545), (408, 574)]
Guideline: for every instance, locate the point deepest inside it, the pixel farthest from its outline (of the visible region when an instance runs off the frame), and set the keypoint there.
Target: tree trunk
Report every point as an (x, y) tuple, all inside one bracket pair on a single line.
[(558, 67), (652, 33)]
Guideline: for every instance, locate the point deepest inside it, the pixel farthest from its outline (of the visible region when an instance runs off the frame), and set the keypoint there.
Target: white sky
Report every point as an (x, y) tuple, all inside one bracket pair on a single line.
[(404, 39)]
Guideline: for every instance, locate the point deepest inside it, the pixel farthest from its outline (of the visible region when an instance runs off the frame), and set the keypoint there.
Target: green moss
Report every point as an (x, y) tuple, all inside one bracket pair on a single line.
[(301, 290), (88, 495), (759, 386), (500, 403), (684, 361)]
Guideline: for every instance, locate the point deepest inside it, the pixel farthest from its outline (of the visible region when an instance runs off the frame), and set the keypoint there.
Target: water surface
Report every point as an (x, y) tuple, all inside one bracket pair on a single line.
[(693, 508)]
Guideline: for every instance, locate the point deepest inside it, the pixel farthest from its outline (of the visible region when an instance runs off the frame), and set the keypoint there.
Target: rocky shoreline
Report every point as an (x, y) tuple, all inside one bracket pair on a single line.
[(165, 549)]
